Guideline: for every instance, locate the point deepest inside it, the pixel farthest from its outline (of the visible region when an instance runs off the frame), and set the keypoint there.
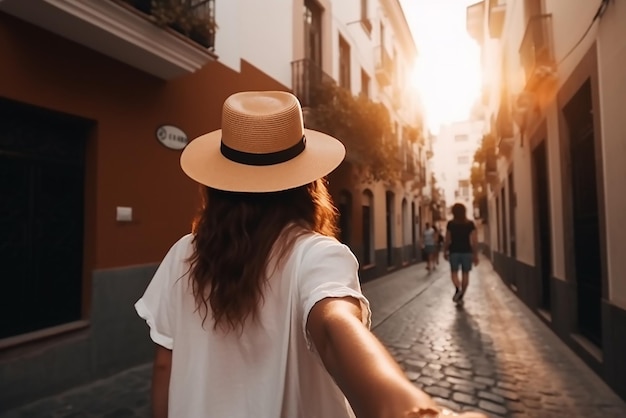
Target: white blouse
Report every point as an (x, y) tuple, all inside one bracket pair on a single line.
[(271, 368)]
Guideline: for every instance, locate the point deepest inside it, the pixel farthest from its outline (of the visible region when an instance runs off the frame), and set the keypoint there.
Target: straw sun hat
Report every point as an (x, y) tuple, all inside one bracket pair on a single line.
[(262, 147)]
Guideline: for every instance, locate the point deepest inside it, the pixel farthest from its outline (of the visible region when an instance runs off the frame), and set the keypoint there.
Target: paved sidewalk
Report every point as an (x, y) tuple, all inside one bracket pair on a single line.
[(492, 355)]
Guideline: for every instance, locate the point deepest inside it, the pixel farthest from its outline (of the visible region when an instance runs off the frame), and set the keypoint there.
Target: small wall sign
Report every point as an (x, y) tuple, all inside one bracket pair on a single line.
[(172, 137)]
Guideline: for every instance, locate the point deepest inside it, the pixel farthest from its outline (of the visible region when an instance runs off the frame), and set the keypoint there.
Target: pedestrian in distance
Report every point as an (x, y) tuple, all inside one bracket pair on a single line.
[(429, 240), (460, 249), (438, 244), (258, 312)]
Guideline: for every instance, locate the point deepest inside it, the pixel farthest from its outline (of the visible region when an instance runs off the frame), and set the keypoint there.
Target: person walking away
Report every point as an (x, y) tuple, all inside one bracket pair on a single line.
[(258, 312), (460, 248), (429, 239), (438, 244)]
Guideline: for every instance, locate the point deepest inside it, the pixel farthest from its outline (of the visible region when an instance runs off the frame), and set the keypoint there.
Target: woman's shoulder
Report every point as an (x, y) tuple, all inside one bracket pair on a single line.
[(184, 242), (181, 249), (312, 239), (312, 243)]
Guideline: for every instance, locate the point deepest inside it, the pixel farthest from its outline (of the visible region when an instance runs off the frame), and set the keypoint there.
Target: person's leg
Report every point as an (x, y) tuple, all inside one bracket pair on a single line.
[(455, 264), (465, 282), (431, 257), (466, 266)]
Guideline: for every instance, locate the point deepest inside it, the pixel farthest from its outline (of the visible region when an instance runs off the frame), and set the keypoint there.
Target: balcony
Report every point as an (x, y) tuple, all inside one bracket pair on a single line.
[(118, 30), (383, 66), (306, 78), (475, 21), (537, 52), (496, 15), (409, 173), (491, 169)]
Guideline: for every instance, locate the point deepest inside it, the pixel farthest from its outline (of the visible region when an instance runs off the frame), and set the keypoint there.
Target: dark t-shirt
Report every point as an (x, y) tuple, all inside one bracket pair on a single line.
[(460, 236)]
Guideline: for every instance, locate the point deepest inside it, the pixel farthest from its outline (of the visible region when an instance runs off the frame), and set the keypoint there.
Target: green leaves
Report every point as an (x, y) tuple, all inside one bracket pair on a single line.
[(364, 127)]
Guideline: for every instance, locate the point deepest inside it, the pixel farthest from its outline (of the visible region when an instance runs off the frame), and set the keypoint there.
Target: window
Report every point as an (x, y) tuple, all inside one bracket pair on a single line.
[(313, 32), (463, 159), (365, 84), (531, 8), (460, 138), (365, 22), (464, 188), (344, 63), (367, 232)]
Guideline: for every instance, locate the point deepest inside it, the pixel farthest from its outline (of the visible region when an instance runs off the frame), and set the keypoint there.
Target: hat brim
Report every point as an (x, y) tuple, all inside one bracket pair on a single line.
[(203, 162)]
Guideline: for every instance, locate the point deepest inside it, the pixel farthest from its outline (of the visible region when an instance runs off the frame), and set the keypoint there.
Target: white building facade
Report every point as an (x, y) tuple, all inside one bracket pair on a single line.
[(454, 151), (555, 95)]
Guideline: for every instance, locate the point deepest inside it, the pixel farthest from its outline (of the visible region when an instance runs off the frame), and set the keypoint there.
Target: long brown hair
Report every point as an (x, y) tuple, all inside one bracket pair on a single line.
[(234, 237)]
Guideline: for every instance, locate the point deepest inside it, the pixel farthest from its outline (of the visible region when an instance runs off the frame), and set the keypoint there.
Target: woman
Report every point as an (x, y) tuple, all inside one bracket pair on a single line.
[(430, 239), (460, 249), (438, 245), (259, 312)]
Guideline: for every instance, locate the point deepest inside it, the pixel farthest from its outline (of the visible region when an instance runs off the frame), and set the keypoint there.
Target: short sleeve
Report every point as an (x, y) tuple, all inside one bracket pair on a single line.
[(449, 226), (156, 306), (329, 269)]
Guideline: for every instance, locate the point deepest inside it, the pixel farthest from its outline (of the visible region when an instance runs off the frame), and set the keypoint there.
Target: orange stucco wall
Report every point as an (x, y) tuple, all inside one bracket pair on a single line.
[(125, 164)]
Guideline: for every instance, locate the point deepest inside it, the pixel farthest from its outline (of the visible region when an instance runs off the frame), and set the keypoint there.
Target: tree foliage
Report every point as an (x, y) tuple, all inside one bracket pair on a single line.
[(363, 126)]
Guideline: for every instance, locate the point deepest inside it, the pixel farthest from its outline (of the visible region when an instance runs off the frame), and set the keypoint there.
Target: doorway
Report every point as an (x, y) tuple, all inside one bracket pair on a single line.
[(585, 217), (389, 213), (367, 227), (413, 232), (41, 217), (543, 240)]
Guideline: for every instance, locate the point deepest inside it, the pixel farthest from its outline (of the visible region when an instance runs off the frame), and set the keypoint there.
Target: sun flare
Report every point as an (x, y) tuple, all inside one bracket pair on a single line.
[(448, 72)]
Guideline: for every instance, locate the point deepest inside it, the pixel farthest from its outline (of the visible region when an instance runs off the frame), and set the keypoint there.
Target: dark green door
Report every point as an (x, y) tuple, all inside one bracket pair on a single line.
[(586, 221)]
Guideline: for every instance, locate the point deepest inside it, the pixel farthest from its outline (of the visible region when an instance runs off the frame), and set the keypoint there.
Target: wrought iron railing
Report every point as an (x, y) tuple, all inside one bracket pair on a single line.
[(536, 50), (194, 19), (306, 78)]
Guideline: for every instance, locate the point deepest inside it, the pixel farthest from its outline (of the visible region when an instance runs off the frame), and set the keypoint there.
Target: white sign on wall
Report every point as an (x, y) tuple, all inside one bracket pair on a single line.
[(172, 137)]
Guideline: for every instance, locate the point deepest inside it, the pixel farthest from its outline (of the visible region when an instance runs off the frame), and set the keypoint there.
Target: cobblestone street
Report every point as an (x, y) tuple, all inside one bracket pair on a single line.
[(491, 354)]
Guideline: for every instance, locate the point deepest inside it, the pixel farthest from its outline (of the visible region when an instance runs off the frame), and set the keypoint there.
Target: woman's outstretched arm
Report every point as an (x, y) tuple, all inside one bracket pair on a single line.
[(368, 375)]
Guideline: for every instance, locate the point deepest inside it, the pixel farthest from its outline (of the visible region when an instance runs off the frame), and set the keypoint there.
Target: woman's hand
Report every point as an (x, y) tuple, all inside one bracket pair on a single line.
[(443, 412)]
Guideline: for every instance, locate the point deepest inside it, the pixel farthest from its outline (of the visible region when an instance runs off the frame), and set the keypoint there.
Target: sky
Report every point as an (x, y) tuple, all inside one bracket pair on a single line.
[(447, 74)]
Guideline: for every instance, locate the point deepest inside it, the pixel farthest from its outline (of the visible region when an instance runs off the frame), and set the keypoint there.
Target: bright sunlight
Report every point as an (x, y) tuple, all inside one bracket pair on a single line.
[(447, 74)]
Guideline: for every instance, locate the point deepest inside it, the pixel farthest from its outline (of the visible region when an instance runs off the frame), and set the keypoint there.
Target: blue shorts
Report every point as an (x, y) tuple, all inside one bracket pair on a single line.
[(461, 260)]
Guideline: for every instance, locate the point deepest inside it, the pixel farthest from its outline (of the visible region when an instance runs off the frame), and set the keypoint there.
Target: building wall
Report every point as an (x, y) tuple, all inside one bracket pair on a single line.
[(611, 61), (130, 167), (447, 151), (599, 57)]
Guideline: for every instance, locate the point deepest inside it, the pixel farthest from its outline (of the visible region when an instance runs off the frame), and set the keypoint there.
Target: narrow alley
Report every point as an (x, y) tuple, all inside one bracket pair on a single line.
[(492, 354)]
